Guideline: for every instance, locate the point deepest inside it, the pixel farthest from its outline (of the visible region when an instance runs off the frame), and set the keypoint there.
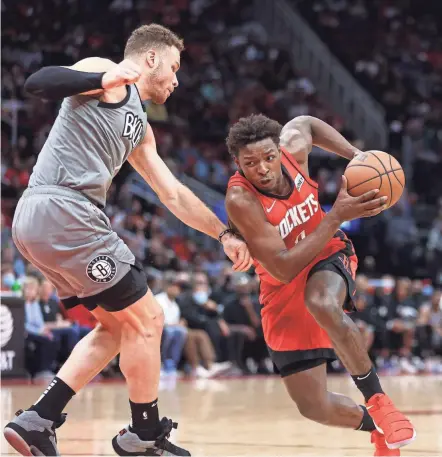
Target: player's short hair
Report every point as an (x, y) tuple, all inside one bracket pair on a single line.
[(251, 129), (151, 36)]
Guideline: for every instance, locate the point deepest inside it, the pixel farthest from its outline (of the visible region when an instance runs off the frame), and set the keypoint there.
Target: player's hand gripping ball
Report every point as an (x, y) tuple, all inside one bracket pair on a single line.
[(375, 170)]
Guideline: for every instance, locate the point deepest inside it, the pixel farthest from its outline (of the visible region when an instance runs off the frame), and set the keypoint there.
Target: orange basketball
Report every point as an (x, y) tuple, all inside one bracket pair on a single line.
[(376, 170)]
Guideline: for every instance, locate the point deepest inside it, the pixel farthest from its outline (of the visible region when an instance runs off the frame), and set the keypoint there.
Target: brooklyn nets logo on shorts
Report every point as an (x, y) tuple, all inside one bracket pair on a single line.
[(101, 269)]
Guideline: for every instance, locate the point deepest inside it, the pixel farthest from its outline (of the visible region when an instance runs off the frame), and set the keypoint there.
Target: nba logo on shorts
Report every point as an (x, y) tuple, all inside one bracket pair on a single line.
[(101, 269)]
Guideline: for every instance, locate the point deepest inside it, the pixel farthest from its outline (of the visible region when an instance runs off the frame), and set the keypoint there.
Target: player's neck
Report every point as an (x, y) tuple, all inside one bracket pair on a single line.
[(141, 91), (283, 186)]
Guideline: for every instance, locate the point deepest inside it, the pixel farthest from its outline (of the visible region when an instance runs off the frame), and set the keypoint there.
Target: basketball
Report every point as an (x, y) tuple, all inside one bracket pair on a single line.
[(376, 170)]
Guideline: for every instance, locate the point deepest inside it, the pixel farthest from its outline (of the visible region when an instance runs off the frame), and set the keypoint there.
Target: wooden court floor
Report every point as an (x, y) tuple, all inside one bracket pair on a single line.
[(237, 417)]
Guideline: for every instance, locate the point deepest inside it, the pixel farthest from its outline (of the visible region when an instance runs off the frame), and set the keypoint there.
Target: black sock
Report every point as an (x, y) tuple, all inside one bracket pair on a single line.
[(145, 419), (54, 399), (368, 384), (367, 424)]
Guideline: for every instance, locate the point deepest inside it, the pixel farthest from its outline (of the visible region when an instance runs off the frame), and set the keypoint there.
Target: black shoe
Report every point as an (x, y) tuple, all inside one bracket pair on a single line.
[(129, 443), (29, 434)]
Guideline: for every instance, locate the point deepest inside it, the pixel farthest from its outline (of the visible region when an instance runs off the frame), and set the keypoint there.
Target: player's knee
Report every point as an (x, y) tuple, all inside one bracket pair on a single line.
[(156, 322), (322, 305), (143, 329), (112, 328), (150, 326)]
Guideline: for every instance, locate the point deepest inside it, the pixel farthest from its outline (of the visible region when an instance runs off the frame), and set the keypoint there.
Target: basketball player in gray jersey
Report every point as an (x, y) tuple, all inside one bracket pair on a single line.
[(60, 227)]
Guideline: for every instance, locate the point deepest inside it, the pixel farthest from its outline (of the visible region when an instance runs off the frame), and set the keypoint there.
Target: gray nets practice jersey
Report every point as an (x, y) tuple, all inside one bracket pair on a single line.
[(57, 223), (89, 142)]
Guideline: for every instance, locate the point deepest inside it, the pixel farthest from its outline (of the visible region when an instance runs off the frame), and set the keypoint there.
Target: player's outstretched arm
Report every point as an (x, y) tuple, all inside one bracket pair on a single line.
[(89, 76), (183, 203), (265, 243), (299, 134)]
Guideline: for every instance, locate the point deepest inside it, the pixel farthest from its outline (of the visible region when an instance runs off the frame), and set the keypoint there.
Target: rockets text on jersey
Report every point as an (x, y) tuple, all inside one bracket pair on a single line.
[(298, 215)]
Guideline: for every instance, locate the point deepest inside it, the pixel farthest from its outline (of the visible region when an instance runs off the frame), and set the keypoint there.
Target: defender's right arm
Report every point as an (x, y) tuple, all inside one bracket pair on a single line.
[(88, 77), (265, 243)]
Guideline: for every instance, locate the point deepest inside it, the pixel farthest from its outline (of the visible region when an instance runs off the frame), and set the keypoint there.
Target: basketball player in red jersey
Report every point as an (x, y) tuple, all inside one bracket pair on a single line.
[(307, 267)]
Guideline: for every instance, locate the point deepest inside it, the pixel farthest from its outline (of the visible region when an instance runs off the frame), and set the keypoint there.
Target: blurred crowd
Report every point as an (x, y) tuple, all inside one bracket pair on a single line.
[(401, 321), (395, 52), (213, 324), (231, 69)]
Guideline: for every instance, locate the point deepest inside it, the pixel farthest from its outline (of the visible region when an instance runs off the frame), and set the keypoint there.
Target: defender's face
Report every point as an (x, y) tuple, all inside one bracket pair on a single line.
[(162, 79), (261, 164)]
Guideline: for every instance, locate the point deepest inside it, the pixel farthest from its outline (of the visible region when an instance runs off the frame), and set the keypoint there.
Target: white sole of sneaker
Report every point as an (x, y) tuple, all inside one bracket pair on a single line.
[(17, 442), (398, 444), (401, 443)]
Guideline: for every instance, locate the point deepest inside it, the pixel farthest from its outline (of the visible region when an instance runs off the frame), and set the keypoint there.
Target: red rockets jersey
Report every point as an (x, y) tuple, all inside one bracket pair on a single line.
[(296, 216)]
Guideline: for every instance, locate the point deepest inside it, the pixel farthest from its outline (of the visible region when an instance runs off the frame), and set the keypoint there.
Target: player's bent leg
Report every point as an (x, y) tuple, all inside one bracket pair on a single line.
[(325, 295), (140, 361), (308, 389)]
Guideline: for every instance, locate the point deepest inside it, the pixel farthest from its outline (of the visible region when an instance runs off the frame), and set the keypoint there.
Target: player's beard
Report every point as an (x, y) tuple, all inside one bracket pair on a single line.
[(156, 86)]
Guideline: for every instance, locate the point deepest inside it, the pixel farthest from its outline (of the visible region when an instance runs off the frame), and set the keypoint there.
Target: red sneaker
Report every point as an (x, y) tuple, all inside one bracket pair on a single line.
[(381, 448), (396, 428)]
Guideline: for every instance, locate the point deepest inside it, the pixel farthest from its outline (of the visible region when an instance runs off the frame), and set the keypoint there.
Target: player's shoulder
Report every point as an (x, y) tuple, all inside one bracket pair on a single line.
[(296, 137), (94, 64), (240, 199)]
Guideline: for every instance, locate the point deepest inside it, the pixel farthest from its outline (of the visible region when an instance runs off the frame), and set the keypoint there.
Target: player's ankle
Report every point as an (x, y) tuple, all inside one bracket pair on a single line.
[(145, 419), (368, 383), (53, 400), (367, 424), (146, 434)]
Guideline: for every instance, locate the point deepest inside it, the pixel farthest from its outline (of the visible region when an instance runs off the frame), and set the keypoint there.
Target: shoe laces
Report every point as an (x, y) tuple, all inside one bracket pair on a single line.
[(166, 427), (60, 421)]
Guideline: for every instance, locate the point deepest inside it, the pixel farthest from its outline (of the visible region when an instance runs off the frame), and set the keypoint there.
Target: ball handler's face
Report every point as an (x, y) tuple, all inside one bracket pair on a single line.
[(261, 164), (160, 78)]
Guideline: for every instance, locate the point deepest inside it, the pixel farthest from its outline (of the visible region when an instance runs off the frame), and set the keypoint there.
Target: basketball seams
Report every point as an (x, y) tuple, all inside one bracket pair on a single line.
[(363, 165), (371, 179), (367, 180), (386, 171), (394, 174)]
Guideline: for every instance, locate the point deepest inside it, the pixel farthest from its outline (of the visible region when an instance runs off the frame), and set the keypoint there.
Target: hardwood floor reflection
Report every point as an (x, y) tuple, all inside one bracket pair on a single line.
[(241, 417)]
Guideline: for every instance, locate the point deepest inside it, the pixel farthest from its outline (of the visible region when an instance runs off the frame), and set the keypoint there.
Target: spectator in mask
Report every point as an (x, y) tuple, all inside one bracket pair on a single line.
[(201, 312), (242, 313), (175, 330), (198, 349)]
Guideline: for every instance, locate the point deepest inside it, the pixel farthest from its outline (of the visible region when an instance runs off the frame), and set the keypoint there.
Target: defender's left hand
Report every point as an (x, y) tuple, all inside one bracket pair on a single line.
[(237, 251)]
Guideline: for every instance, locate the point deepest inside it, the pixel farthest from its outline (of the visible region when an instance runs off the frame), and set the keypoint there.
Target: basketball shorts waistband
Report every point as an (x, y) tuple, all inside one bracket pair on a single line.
[(61, 191)]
